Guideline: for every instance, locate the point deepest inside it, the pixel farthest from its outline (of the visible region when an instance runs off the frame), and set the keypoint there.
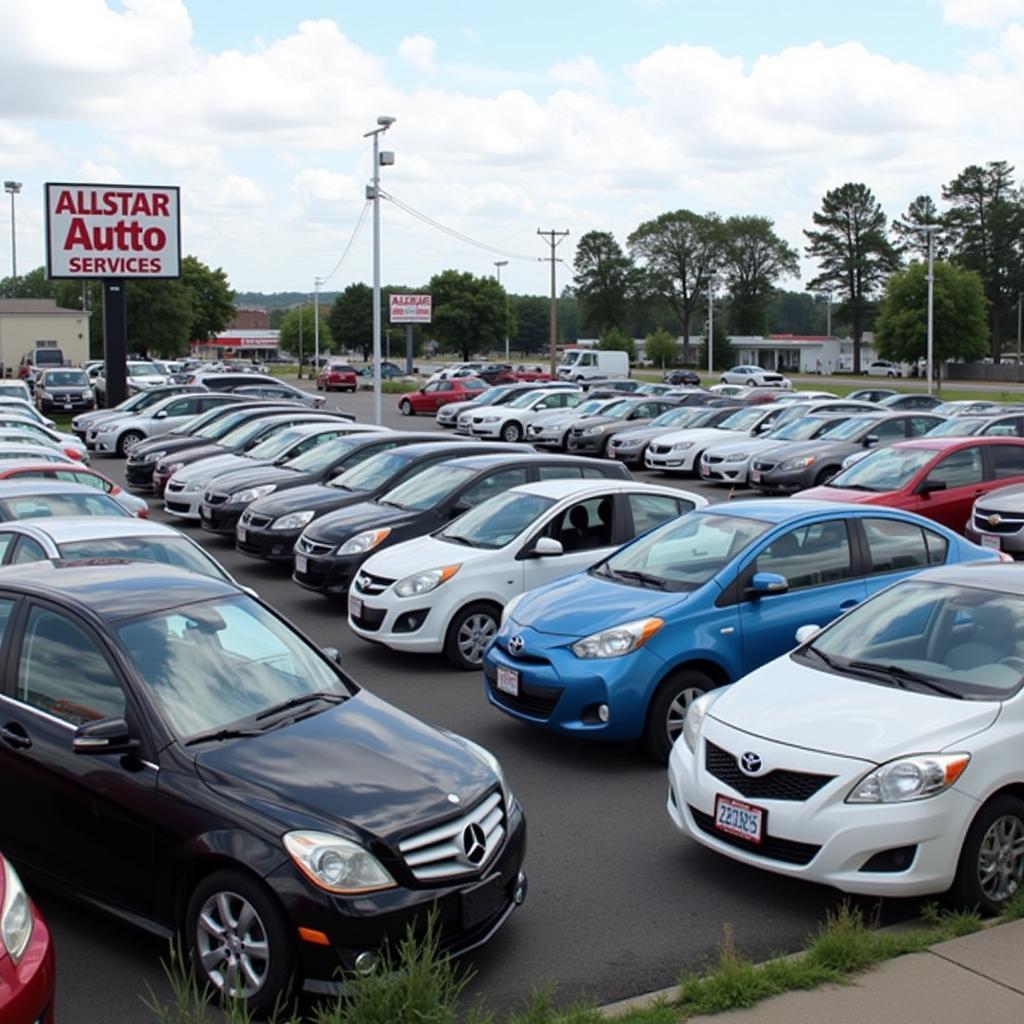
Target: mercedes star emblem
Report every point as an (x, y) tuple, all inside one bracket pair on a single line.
[(474, 843), (516, 643), (751, 762)]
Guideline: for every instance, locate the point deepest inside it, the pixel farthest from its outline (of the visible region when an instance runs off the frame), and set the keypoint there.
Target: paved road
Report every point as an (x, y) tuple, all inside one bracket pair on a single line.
[(618, 901)]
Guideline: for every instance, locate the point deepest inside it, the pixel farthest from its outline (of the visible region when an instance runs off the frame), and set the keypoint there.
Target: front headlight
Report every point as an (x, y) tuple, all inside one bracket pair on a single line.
[(424, 582), (682, 446), (336, 864), (619, 640), (195, 485), (293, 521), (490, 419), (630, 442), (737, 457), (88, 394), (909, 778), (693, 722), (153, 456), (365, 541), (590, 431), (16, 915), (510, 607), (252, 493), (801, 463), (172, 467)]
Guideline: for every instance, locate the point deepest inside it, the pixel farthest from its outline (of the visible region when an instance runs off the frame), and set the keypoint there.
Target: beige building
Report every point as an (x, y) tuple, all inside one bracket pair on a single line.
[(27, 324)]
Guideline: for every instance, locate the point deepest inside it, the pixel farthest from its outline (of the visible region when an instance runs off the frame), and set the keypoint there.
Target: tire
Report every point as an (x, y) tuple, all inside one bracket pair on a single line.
[(824, 475), (266, 955), (890, 374), (469, 634), (668, 707), (999, 823), (405, 407), (723, 381), (512, 432), (129, 439)]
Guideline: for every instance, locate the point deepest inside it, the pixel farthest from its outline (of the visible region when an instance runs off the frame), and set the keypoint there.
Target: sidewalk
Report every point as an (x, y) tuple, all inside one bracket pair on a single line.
[(978, 977)]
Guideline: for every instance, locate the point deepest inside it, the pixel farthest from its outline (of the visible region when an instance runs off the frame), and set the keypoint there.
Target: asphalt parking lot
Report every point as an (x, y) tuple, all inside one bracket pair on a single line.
[(618, 901)]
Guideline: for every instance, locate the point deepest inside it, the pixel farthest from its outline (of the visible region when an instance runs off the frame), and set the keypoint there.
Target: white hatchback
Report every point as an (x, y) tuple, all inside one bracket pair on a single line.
[(445, 592), (882, 756)]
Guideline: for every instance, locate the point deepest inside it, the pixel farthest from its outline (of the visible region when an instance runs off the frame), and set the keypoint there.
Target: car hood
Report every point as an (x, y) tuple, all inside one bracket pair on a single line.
[(698, 435), (826, 493), (255, 476), (1005, 499), (315, 497), (362, 763), (642, 433), (422, 553), (582, 604), (751, 445), (788, 702), (559, 418), (820, 449), (214, 465), (341, 524)]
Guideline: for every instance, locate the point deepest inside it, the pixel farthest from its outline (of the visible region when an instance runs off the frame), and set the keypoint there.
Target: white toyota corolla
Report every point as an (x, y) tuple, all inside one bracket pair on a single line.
[(446, 592), (882, 756)]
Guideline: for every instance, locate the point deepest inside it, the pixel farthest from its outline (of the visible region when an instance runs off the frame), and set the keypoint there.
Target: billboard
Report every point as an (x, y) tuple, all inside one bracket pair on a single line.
[(112, 231), (410, 309)]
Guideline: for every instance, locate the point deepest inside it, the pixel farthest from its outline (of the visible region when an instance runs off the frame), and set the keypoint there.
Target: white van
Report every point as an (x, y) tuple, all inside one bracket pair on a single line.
[(590, 364)]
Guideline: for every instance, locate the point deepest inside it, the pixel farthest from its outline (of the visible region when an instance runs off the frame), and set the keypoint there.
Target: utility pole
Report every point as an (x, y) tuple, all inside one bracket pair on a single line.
[(711, 327), (1020, 310), (498, 264), (554, 239), (301, 311), (317, 281)]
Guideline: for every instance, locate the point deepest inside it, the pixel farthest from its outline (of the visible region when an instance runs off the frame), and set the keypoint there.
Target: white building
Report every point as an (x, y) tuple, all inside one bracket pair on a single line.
[(796, 353)]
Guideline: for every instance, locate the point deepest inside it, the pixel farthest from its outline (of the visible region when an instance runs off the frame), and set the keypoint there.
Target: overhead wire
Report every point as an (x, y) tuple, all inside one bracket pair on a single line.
[(351, 242)]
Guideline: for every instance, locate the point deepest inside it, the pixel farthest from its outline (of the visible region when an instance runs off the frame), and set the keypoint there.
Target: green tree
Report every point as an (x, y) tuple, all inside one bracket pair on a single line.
[(960, 330), (985, 229), (754, 258), (33, 285), (468, 312), (661, 348), (853, 253), (351, 318), (725, 356), (159, 314), (290, 334), (911, 241), (617, 340), (213, 301), (679, 253), (602, 281), (530, 313)]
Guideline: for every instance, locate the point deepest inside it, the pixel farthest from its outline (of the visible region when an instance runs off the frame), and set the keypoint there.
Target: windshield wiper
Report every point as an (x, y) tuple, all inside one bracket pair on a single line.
[(901, 676), (218, 735), (391, 504), (303, 698), (642, 577), (826, 658), (853, 487), (459, 539)]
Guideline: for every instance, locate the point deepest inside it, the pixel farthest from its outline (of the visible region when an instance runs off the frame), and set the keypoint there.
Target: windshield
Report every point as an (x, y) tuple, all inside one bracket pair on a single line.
[(498, 520), (800, 430), (887, 469), (179, 551), (964, 639), (65, 379), (216, 424), (522, 401), (369, 475), (34, 506), (246, 432), (591, 407), (960, 426), (952, 408), (322, 455), (618, 409), (24, 427), (684, 553), (427, 489), (280, 441), (745, 419), (675, 417), (142, 370), (216, 662), (706, 417), (846, 430)]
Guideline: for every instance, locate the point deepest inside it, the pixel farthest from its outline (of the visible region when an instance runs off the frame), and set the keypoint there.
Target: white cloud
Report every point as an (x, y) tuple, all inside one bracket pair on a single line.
[(321, 185), (90, 171), (21, 147), (981, 13), (582, 71), (237, 191), (419, 51)]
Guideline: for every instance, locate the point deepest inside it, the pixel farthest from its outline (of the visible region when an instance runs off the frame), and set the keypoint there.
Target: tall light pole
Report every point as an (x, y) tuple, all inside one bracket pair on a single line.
[(498, 264), (317, 281), (711, 327), (373, 192), (929, 230), (1020, 311), (13, 188)]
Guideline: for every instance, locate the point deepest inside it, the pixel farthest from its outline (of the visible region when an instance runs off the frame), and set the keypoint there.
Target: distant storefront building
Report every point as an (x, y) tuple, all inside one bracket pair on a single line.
[(800, 353), (238, 343), (27, 324)]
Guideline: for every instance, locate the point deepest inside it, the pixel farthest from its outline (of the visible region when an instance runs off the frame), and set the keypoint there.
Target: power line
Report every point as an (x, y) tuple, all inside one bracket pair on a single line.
[(457, 234), (351, 242)]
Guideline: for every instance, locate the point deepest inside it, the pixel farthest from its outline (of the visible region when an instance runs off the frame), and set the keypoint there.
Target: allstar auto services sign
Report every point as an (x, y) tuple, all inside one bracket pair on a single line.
[(112, 231), (410, 309)]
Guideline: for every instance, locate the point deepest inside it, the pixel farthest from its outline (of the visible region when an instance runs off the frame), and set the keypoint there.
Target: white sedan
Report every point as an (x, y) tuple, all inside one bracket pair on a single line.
[(445, 592), (756, 376), (882, 755), (509, 422), (68, 443)]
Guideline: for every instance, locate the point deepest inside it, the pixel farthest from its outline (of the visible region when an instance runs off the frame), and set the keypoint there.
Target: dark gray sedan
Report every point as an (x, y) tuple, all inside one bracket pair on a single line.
[(592, 437), (810, 463), (280, 390), (997, 521)]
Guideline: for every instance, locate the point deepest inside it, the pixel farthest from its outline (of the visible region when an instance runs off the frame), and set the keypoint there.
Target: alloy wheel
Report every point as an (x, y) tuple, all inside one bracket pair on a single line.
[(1001, 858), (232, 943), (677, 710), (473, 636)]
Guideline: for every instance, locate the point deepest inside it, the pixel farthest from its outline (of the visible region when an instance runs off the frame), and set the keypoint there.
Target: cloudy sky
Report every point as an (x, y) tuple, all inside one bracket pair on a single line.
[(510, 117)]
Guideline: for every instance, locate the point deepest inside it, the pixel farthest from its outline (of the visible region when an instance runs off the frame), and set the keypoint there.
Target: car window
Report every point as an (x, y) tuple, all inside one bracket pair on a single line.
[(1007, 460), (894, 546), (29, 507), (493, 484), (182, 407), (809, 556), (920, 425), (958, 469), (433, 387), (6, 540), (62, 671), (585, 525), (86, 479), (558, 472), (27, 550), (890, 430), (651, 510)]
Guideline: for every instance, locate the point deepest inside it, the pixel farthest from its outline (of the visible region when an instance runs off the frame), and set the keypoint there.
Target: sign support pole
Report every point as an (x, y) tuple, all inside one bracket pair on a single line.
[(115, 340), (408, 348)]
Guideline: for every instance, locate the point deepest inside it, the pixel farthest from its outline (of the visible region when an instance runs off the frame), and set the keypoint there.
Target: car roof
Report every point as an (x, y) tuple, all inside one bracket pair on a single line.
[(565, 487), (782, 510), (943, 443), (65, 529), (29, 462), (1003, 577), (16, 489), (114, 589)]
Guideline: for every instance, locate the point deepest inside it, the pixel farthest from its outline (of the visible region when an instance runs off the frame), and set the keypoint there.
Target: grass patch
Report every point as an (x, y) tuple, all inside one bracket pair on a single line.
[(398, 387), (1014, 909)]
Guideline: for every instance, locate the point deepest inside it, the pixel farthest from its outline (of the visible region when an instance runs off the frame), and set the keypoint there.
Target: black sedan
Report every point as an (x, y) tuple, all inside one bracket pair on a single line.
[(681, 377), (271, 525), (177, 753), (332, 548), (229, 494)]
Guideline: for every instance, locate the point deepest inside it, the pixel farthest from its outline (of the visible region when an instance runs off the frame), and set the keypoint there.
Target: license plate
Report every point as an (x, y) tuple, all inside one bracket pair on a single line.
[(355, 606), (300, 563), (736, 818), (482, 901), (508, 681), (241, 534), (204, 512), (755, 476), (705, 470), (68, 405), (988, 541)]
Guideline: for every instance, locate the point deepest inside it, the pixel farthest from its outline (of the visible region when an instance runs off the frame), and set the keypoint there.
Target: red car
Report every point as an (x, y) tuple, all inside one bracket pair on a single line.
[(530, 372), (69, 474), (432, 396), (937, 477), (28, 973), (338, 376)]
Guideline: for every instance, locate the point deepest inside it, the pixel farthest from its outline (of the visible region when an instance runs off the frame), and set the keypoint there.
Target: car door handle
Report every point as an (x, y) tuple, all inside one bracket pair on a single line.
[(15, 736), (847, 605)]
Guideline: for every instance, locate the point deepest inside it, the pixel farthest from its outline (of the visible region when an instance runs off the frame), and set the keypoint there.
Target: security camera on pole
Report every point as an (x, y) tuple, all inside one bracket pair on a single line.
[(385, 159)]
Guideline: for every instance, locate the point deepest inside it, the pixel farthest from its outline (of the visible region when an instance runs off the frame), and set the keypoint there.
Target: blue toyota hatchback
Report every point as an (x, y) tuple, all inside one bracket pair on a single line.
[(618, 652)]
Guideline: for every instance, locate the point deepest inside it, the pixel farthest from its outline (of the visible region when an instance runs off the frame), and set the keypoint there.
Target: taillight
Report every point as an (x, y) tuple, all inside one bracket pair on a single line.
[(143, 513), (73, 453)]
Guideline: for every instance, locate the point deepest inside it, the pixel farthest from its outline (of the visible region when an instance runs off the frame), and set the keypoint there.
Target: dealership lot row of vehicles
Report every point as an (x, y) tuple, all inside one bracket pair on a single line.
[(595, 605)]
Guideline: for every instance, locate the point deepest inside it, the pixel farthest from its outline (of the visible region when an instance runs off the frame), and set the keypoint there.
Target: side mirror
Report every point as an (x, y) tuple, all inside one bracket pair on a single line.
[(458, 509), (805, 633), (107, 736), (870, 440), (927, 486), (767, 583), (333, 654), (161, 415), (546, 547)]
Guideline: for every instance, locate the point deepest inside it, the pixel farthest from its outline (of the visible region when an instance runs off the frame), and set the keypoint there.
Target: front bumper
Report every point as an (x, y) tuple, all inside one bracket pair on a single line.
[(222, 518), (70, 403), (139, 475), (181, 503), (550, 437), (105, 444), (329, 574), (672, 461), (1006, 535), (262, 542), (777, 481), (718, 470), (415, 625), (586, 445), (631, 456), (486, 429)]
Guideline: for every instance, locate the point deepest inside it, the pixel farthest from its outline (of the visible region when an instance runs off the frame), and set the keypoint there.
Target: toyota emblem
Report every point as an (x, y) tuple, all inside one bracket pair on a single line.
[(474, 843), (995, 519), (516, 643), (750, 762)]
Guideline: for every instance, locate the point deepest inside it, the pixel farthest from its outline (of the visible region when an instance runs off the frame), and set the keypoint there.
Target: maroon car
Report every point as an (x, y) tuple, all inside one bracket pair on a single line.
[(337, 376), (936, 477), (432, 396), (531, 372)]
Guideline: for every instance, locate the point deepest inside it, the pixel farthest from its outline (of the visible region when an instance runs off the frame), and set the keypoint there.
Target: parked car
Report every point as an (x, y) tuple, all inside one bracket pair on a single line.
[(904, 403), (997, 521), (28, 443), (630, 446), (139, 669), (448, 414), (271, 525), (879, 757), (582, 364), (755, 376), (823, 406), (883, 368), (936, 477), (531, 372), (28, 973), (971, 425), (732, 390), (68, 443), (430, 397), (551, 429), (510, 422), (621, 387), (19, 407), (496, 373), (682, 377), (968, 407), (31, 498), (330, 551), (592, 436), (24, 449), (337, 377), (620, 651), (33, 468), (141, 376), (141, 400), (280, 390), (68, 390), (15, 389), (871, 394)]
